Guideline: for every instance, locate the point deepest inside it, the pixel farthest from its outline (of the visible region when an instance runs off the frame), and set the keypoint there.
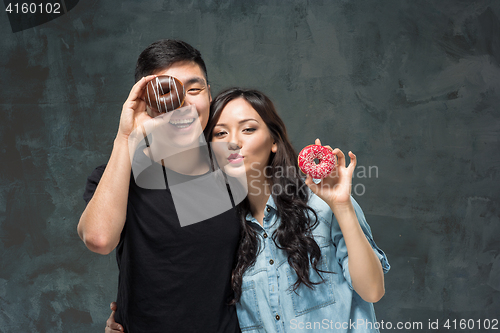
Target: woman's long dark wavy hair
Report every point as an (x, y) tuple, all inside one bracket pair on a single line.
[(294, 234)]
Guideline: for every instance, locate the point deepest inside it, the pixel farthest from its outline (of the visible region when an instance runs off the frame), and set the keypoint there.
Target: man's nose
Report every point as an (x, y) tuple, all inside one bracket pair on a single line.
[(186, 109), (188, 100)]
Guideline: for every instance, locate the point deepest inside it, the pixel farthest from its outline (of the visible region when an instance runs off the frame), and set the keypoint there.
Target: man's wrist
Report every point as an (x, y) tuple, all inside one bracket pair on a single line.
[(121, 140)]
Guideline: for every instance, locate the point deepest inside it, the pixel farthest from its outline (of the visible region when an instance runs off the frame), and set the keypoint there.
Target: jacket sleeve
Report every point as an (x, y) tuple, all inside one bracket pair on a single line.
[(341, 253)]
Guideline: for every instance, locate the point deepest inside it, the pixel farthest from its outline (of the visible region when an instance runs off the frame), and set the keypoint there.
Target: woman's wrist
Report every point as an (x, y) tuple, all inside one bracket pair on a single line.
[(343, 210), (345, 203)]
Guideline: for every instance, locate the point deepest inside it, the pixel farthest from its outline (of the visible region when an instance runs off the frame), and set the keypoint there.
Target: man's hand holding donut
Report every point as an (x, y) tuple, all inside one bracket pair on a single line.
[(133, 111), (103, 219)]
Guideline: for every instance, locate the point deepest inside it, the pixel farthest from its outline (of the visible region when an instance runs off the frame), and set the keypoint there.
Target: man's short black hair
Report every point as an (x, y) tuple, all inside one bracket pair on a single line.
[(165, 52)]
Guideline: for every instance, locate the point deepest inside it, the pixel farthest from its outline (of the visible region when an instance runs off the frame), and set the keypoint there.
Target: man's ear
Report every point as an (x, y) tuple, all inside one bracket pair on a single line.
[(209, 94)]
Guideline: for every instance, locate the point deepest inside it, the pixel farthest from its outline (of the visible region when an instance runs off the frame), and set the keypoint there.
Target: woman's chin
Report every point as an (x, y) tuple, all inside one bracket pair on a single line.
[(235, 171)]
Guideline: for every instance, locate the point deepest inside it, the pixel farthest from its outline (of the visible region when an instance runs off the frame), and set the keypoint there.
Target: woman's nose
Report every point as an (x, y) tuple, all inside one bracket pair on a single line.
[(233, 141), (233, 146)]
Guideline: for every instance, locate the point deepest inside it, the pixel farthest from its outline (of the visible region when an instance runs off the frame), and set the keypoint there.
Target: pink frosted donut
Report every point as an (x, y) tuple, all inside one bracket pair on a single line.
[(326, 161)]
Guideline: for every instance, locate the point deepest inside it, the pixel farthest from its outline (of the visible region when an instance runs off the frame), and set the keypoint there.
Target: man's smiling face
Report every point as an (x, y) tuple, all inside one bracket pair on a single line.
[(197, 92)]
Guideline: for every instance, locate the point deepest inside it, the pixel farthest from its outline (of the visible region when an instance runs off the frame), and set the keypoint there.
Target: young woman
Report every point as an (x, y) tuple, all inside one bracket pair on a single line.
[(307, 261)]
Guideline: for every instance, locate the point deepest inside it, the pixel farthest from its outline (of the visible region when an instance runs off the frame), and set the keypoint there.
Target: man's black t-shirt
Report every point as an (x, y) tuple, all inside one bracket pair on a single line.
[(172, 278)]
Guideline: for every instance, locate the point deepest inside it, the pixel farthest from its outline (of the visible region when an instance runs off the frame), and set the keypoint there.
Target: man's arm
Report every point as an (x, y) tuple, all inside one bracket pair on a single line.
[(103, 219)]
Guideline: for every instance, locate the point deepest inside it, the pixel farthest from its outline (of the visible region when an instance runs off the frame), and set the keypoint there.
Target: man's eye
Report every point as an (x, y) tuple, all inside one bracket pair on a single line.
[(194, 90)]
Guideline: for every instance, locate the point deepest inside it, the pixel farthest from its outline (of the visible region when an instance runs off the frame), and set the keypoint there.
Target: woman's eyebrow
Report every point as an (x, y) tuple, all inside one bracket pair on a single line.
[(239, 122)]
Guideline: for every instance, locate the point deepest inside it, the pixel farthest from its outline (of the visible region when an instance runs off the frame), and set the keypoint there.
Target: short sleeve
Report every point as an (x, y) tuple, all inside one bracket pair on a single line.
[(92, 182), (339, 241)]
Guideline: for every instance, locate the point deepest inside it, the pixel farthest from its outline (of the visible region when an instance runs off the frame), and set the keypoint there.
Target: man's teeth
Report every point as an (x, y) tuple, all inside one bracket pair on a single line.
[(181, 123)]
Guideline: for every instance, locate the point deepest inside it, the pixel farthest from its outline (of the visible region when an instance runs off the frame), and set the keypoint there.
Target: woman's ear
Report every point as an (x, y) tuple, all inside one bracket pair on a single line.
[(274, 148)]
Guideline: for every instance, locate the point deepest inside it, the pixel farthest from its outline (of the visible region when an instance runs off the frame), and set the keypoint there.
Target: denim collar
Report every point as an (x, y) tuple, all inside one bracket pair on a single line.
[(270, 204)]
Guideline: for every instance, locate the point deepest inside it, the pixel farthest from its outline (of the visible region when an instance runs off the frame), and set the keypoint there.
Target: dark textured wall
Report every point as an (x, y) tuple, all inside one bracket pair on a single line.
[(412, 87)]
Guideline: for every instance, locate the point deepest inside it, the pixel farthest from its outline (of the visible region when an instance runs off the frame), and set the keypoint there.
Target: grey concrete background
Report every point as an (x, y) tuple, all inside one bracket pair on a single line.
[(412, 87)]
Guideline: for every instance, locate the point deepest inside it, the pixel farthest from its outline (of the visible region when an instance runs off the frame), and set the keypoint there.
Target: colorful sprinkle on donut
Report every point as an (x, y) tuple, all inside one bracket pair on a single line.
[(325, 157)]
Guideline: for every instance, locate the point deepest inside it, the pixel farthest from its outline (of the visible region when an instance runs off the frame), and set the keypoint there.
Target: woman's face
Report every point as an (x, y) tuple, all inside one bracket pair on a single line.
[(242, 141)]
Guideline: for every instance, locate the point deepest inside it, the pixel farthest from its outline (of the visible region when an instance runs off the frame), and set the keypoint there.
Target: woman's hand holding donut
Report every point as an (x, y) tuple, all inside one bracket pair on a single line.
[(335, 189), (365, 268), (133, 111)]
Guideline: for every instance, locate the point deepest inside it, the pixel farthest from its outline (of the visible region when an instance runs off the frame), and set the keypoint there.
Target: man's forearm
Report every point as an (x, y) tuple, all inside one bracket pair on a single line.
[(102, 221)]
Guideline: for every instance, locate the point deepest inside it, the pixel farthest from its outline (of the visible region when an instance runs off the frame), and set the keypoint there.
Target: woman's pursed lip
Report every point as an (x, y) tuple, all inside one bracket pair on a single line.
[(235, 158)]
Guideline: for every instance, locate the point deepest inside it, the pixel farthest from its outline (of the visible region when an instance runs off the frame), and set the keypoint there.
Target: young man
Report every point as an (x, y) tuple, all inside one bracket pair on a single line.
[(172, 278)]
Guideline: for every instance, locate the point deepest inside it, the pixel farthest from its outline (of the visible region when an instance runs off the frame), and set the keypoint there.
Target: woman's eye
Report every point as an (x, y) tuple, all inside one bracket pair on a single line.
[(218, 134), (249, 130)]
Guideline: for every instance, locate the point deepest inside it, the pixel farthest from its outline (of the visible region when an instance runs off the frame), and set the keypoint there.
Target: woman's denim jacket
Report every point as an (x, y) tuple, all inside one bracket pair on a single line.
[(268, 303)]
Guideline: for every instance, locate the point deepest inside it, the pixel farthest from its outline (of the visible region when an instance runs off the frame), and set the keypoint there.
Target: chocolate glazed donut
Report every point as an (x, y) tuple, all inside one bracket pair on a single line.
[(165, 93)]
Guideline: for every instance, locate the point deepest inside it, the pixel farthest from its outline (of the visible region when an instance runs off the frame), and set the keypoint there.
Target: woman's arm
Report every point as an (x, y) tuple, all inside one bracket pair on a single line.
[(103, 219), (365, 268)]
